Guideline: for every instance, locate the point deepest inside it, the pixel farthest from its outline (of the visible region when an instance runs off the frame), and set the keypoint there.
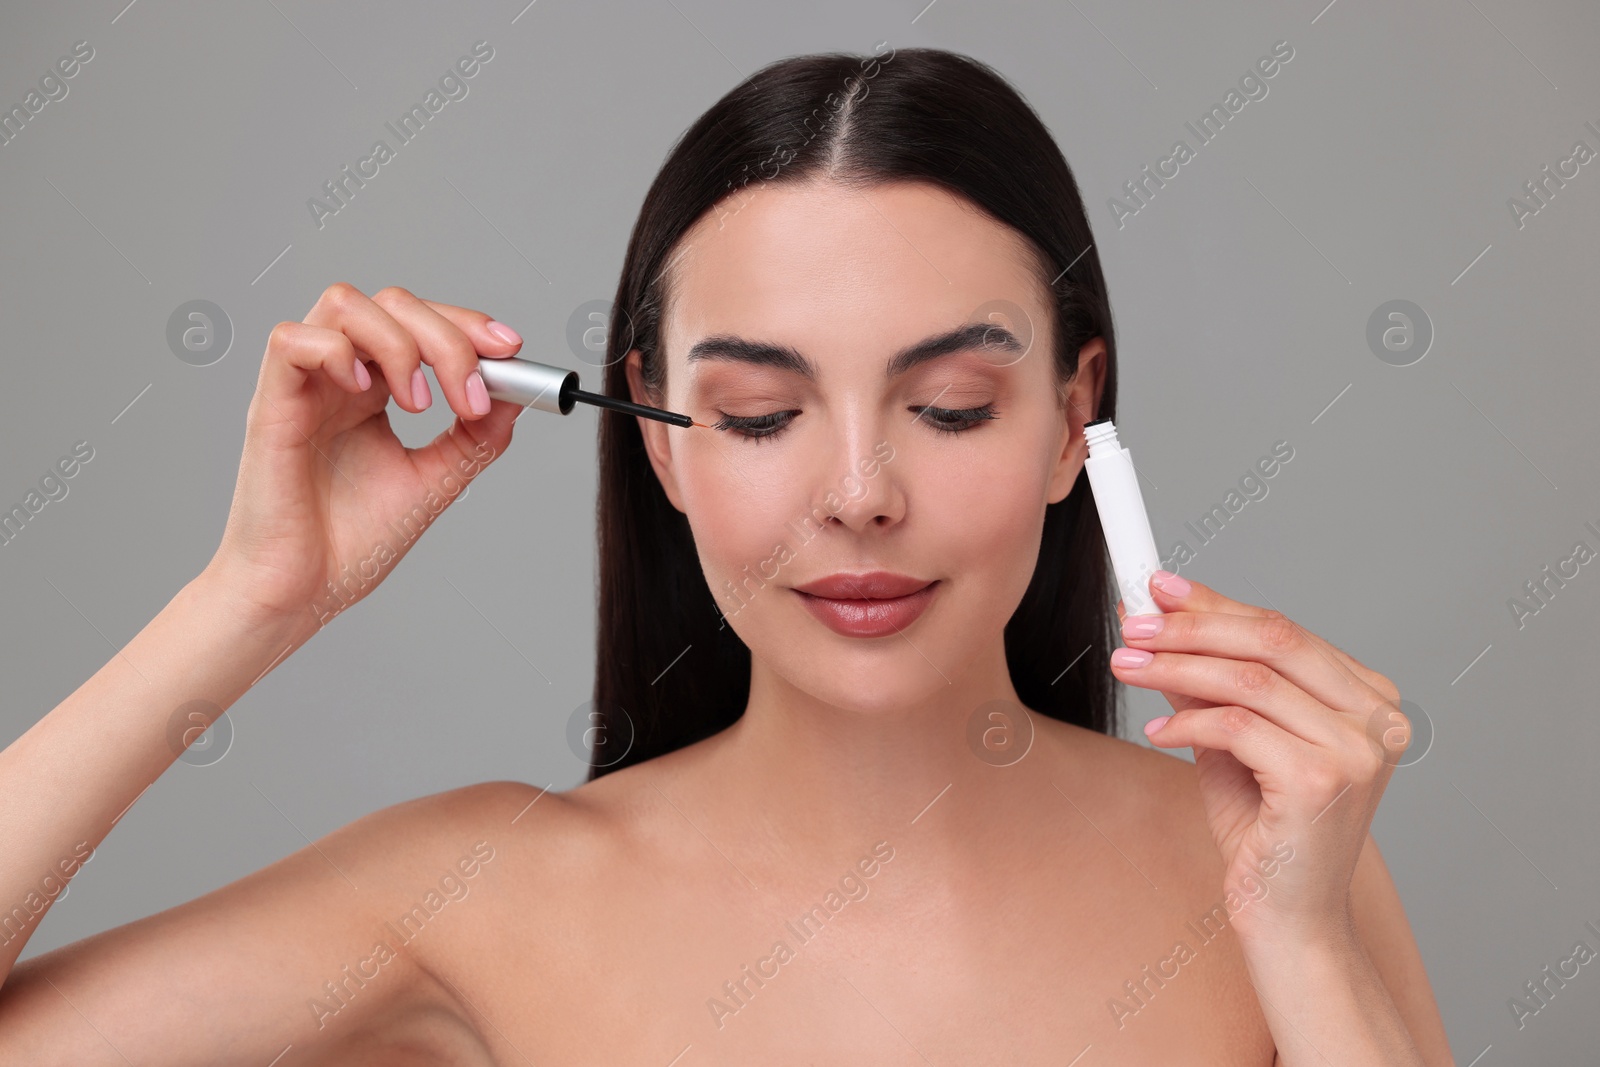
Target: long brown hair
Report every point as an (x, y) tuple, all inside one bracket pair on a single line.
[(669, 671)]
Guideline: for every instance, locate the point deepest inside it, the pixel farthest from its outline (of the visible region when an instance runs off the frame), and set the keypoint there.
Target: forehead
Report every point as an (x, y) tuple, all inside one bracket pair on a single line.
[(831, 270)]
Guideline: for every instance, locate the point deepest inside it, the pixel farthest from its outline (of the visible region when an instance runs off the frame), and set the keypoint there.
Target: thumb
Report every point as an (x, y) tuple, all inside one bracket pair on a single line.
[(465, 448)]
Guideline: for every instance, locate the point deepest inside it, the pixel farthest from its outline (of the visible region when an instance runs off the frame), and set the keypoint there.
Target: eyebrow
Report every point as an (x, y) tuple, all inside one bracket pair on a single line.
[(963, 338)]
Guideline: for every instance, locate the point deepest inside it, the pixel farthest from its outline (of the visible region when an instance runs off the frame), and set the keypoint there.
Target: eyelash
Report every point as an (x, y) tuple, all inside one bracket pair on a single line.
[(769, 426)]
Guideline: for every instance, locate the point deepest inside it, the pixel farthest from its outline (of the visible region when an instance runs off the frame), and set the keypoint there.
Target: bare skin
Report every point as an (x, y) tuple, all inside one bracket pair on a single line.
[(981, 913), (607, 899)]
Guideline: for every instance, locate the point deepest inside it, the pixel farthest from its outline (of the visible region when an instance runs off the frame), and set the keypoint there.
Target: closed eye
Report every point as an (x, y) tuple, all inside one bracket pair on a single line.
[(942, 420), (755, 427)]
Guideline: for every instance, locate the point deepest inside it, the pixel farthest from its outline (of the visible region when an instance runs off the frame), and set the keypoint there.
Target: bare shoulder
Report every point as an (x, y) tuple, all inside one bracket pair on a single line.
[(1151, 765), (1153, 799), (564, 884), (541, 839), (326, 946), (573, 850), (1144, 782)]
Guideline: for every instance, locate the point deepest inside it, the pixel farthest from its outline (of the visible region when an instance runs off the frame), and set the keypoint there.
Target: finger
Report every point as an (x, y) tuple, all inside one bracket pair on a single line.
[(1174, 593), (1177, 701), (1188, 595), (1272, 640), (444, 346), (490, 337), (1252, 739), (296, 352), (1217, 681), (1182, 702), (378, 338), (464, 449)]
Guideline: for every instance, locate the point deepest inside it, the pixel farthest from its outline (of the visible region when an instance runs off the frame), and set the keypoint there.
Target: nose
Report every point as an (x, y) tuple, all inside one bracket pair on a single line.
[(865, 490)]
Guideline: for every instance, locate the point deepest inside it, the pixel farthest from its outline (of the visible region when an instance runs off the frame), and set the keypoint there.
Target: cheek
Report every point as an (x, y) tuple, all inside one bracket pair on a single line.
[(737, 511), (989, 511)]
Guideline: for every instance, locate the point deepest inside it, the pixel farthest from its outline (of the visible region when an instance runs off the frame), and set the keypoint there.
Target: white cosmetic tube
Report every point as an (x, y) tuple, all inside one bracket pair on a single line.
[(1115, 485)]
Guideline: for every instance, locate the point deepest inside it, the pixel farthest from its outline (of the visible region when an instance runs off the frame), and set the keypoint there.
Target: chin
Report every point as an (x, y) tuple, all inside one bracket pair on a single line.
[(903, 671)]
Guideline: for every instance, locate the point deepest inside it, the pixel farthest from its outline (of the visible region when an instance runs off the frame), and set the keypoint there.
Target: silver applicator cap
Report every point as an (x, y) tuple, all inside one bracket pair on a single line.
[(552, 389)]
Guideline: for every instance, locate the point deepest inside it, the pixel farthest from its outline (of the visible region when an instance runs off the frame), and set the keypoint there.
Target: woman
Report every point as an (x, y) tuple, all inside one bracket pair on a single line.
[(856, 792)]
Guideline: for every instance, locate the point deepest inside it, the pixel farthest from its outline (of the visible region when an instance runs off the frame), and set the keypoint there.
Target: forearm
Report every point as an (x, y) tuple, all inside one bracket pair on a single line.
[(1326, 1003), (65, 782)]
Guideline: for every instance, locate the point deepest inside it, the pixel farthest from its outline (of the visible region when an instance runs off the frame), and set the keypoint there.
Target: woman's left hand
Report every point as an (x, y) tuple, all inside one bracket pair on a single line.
[(1294, 742)]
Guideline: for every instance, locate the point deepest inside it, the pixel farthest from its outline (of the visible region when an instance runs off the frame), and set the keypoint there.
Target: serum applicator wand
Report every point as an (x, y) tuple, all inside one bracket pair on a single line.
[(1115, 485), (538, 385)]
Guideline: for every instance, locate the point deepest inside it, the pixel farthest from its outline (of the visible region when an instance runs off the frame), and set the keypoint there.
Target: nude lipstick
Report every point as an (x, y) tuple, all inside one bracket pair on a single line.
[(874, 604)]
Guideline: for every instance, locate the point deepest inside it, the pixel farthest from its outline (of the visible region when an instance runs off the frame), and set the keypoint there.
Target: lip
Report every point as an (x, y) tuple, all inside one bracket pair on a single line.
[(873, 604)]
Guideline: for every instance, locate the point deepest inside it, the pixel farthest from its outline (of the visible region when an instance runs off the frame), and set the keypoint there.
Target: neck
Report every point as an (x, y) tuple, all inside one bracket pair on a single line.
[(827, 775)]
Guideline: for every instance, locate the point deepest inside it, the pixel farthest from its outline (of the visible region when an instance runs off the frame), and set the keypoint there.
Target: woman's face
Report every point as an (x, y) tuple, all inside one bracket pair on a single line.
[(788, 305)]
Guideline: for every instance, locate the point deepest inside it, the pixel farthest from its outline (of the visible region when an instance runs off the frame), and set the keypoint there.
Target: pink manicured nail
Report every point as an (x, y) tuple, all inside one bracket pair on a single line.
[(363, 379), (477, 394), (1143, 625), (1155, 724), (1171, 583), (504, 332), (1131, 657), (421, 395)]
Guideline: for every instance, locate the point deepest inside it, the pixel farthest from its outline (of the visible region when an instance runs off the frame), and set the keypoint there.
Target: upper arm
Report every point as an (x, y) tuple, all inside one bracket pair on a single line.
[(306, 951), (1380, 921)]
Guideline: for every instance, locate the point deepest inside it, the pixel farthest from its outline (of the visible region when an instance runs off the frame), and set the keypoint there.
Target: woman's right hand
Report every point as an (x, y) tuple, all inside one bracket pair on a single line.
[(326, 492)]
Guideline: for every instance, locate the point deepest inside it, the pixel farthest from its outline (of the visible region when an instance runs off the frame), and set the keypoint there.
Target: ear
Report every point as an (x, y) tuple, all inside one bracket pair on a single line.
[(657, 444), (1083, 401)]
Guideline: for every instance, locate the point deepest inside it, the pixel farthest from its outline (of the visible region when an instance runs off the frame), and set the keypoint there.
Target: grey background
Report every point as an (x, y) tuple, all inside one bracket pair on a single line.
[(1418, 501)]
